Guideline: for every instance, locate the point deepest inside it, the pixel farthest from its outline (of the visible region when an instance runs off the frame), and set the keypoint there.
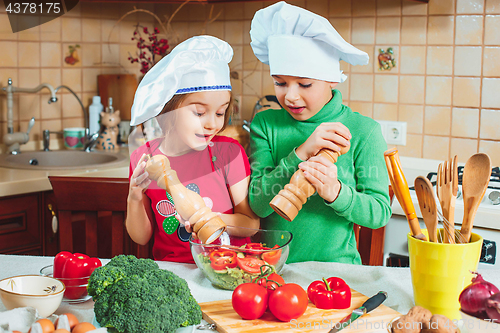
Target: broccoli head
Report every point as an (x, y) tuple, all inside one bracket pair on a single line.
[(134, 295)]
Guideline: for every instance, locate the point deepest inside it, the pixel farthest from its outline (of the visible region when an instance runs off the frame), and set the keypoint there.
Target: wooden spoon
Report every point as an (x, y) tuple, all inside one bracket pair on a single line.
[(427, 204), (477, 172)]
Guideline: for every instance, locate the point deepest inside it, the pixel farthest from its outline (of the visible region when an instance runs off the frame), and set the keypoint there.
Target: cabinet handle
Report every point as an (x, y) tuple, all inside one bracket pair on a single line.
[(55, 224)]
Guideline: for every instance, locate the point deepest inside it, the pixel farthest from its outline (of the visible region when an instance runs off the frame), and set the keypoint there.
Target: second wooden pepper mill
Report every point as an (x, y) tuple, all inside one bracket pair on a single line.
[(190, 205), (289, 200)]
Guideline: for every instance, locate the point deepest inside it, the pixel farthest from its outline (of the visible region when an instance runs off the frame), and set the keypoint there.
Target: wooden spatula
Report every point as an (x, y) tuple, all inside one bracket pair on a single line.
[(477, 173), (427, 203)]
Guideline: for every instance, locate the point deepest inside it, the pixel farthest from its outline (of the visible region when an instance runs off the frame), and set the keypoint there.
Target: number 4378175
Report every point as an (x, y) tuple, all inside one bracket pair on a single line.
[(33, 8)]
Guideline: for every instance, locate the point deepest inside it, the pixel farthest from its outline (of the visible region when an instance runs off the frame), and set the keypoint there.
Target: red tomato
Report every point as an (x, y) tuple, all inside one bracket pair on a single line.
[(272, 257), (250, 265), (288, 302), (270, 285), (249, 300), (221, 259)]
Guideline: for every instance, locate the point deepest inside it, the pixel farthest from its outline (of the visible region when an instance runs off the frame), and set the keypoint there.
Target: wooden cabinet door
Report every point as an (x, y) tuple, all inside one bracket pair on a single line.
[(50, 239), (20, 226)]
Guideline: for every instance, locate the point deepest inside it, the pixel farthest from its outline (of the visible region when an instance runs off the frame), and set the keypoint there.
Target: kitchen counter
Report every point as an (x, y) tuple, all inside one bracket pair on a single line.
[(21, 181), (368, 280)]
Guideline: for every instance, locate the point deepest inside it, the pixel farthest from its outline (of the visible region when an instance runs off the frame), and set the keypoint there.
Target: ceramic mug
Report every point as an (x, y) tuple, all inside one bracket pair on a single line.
[(74, 137)]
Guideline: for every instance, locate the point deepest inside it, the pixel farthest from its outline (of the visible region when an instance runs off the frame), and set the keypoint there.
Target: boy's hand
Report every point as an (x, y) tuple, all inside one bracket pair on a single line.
[(322, 174), (327, 135), (139, 181)]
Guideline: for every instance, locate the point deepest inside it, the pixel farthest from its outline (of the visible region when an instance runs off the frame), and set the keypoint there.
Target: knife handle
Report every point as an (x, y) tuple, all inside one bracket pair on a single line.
[(374, 301)]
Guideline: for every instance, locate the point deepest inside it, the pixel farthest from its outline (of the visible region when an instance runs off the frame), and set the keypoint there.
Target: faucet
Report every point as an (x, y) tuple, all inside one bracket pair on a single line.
[(12, 139)]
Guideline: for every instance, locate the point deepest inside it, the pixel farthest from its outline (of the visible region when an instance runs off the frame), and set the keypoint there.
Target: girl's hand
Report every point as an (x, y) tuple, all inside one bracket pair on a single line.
[(322, 174), (139, 181), (327, 135), (187, 224)]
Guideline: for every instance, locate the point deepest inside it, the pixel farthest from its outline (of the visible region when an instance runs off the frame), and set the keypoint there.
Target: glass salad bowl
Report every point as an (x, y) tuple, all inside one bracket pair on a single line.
[(234, 259), (76, 288)]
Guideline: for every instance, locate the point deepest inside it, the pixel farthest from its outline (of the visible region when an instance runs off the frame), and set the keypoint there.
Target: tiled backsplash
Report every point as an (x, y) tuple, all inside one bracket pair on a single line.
[(446, 83)]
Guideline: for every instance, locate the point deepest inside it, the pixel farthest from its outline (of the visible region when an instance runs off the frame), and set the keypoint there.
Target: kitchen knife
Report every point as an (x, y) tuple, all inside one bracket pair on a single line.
[(369, 305), (400, 188)]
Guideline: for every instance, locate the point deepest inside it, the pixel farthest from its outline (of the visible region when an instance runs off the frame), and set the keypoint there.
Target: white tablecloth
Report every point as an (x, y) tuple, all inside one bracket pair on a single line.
[(368, 280)]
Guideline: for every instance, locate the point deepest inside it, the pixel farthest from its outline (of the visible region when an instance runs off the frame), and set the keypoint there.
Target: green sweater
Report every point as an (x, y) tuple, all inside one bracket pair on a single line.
[(321, 231)]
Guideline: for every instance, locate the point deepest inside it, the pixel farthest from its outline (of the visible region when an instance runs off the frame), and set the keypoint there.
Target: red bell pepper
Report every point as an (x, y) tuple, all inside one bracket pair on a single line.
[(74, 270), (272, 257), (331, 293), (222, 259)]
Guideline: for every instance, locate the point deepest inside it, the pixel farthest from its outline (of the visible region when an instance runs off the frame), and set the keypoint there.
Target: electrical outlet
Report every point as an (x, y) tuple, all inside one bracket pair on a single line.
[(394, 132)]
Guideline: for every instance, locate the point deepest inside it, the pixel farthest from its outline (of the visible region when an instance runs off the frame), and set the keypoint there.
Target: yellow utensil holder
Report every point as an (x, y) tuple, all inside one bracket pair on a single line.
[(439, 272)]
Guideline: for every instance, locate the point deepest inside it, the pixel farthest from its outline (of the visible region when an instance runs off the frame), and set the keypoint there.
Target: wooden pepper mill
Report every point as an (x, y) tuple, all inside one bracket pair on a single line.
[(289, 200), (190, 205)]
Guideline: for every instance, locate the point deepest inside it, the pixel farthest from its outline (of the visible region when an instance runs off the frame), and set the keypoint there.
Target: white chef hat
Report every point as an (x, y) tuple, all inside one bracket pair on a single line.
[(197, 64), (296, 42)]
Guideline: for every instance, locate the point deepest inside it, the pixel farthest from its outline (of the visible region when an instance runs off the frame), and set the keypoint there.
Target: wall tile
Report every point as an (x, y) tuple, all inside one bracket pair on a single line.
[(344, 90), (50, 111), (234, 11), (365, 68), (29, 105), (249, 9), (387, 30), (32, 34), (319, 7), (492, 148), (10, 54), (110, 54), (51, 75), (71, 108), (72, 78), (91, 30), (489, 124), (491, 29), (29, 54), (387, 112), (411, 89), (51, 31), (468, 61), (233, 32), (388, 7), (216, 29), (413, 146), (440, 60), (469, 30), (437, 120), (51, 55), (361, 88), (413, 115), (465, 122), (125, 51), (470, 6), (343, 27), (237, 86), (438, 90), (413, 60), (6, 29), (386, 89), (441, 7), (440, 30), (110, 33), (91, 54), (237, 61), (126, 31), (108, 11), (363, 7), (90, 79), (339, 8), (366, 109), (463, 148), (491, 61), (71, 29), (414, 8), (252, 83), (436, 147), (395, 56), (414, 30), (268, 84), (363, 31), (250, 61), (492, 7), (28, 78), (466, 91), (72, 122), (490, 95), (246, 32)]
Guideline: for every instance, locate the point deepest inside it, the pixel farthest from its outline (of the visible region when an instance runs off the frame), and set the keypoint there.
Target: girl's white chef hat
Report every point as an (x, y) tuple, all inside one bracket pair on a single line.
[(197, 64), (296, 42)]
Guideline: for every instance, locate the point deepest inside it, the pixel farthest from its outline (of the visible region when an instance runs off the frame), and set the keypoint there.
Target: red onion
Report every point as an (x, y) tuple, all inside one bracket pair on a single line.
[(473, 298), (493, 307)]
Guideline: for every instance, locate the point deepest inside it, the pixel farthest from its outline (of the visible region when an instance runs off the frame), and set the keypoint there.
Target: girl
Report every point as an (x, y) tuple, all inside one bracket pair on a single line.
[(190, 92), (303, 51)]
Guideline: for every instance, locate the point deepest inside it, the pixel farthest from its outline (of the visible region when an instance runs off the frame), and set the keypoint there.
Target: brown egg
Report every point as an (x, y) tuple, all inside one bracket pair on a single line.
[(47, 325), (61, 330), (73, 321), (17, 332), (83, 328)]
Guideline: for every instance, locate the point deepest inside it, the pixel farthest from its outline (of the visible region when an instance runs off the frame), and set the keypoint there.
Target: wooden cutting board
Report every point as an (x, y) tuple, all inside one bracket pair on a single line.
[(121, 87), (221, 313)]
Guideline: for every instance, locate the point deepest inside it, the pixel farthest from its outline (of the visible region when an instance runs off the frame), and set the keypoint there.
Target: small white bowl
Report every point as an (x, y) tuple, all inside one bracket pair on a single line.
[(40, 292), (476, 325)]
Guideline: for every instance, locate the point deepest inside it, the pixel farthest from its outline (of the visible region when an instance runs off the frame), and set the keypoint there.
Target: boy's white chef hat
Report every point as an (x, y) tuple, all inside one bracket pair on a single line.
[(296, 42), (197, 64)]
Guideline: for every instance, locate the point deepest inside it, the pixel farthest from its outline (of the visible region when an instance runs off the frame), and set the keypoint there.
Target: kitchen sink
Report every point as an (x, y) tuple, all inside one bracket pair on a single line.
[(60, 160)]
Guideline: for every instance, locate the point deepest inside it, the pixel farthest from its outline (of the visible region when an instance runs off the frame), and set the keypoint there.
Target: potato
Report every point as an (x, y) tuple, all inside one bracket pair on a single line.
[(421, 315), (406, 324), (440, 324)]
